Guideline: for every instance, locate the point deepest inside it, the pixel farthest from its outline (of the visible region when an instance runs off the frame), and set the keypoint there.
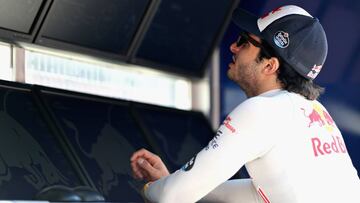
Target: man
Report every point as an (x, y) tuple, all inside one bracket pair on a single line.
[(288, 142)]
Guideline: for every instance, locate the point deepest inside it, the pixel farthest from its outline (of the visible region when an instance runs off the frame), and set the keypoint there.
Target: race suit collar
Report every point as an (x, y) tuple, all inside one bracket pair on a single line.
[(271, 92)]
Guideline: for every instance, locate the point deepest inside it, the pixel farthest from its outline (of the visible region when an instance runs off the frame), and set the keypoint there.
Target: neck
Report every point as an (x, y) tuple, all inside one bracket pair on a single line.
[(264, 87)]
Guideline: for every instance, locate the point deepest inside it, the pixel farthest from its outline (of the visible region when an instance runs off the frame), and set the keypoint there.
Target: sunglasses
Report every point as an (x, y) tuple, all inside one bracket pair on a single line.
[(245, 37)]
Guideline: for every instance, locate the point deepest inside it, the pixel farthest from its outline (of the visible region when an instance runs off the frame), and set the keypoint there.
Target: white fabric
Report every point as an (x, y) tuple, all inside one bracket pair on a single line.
[(233, 191), (278, 13), (290, 146)]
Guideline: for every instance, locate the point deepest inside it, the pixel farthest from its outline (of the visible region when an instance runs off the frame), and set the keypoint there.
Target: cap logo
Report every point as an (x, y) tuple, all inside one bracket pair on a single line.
[(278, 13), (281, 39), (315, 70), (271, 12)]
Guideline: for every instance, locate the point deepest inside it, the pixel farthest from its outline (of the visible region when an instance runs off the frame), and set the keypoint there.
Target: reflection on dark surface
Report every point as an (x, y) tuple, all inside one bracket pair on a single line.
[(180, 134), (104, 136), (30, 158)]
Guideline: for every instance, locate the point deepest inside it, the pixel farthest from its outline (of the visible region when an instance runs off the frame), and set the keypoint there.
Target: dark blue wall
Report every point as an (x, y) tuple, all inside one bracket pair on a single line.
[(341, 71)]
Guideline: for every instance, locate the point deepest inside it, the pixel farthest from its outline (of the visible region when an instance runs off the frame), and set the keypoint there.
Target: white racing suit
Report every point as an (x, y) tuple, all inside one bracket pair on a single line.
[(292, 150)]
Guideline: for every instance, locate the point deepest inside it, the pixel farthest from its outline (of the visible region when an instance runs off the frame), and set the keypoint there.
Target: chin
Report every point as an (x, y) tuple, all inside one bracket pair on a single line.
[(230, 75)]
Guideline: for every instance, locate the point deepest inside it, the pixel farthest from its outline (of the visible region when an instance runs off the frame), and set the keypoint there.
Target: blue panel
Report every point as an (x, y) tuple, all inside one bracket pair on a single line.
[(30, 156), (354, 75), (104, 136), (180, 134), (341, 47), (353, 145)]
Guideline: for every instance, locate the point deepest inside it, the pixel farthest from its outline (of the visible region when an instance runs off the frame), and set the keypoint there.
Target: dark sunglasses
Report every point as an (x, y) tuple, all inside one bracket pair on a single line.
[(244, 37)]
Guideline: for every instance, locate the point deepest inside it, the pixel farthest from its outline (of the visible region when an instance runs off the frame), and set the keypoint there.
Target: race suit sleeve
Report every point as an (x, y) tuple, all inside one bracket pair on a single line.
[(245, 135), (233, 191)]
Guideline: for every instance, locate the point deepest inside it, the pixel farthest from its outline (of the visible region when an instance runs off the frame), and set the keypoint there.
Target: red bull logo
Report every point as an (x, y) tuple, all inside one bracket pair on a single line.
[(320, 117), (320, 147), (328, 118), (228, 125), (31, 159), (314, 117)]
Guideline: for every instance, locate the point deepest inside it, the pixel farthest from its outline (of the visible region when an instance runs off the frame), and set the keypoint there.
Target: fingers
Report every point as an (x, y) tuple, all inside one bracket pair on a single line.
[(142, 169), (138, 172), (143, 153), (142, 174), (144, 164), (138, 175), (139, 153)]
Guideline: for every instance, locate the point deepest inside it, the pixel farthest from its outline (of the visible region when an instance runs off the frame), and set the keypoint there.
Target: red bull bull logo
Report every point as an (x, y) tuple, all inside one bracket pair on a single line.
[(328, 118), (320, 117), (314, 117), (31, 159)]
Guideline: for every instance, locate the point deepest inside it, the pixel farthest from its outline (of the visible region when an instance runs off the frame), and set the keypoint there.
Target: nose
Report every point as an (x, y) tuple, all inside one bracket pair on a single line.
[(233, 48)]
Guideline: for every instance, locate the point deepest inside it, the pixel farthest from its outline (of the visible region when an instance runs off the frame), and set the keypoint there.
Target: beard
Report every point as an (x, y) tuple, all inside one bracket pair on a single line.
[(245, 76)]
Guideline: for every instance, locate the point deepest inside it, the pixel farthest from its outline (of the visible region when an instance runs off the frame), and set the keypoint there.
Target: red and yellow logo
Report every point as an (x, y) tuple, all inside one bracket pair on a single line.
[(319, 116)]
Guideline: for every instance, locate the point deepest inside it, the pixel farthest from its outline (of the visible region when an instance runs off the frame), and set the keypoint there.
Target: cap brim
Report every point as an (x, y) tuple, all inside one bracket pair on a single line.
[(246, 21)]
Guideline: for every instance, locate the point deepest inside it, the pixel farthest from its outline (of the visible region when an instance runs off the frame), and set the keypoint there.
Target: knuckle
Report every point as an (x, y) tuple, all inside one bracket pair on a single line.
[(157, 158)]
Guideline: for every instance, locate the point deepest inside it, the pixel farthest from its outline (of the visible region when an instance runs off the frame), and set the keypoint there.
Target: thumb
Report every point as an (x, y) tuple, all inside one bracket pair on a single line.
[(146, 166)]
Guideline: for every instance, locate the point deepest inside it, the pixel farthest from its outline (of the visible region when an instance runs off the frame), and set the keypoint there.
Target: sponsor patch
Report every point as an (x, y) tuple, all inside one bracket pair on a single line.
[(325, 147), (315, 70), (213, 143), (189, 165), (319, 117), (227, 124), (281, 39)]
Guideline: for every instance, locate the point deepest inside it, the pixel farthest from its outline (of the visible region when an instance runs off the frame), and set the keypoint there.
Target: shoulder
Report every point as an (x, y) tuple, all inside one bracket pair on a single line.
[(260, 116), (265, 105)]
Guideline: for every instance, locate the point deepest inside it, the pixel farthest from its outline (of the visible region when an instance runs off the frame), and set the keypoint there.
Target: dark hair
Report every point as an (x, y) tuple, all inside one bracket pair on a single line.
[(290, 79)]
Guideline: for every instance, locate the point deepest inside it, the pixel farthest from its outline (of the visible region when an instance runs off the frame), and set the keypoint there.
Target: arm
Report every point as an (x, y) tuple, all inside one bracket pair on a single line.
[(233, 191), (239, 139)]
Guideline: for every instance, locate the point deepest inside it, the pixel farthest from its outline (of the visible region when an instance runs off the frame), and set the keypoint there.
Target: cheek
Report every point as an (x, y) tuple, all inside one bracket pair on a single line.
[(242, 63), (248, 70), (244, 57)]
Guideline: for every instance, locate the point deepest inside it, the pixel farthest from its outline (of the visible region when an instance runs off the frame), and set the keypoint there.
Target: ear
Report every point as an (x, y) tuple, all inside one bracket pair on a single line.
[(271, 66)]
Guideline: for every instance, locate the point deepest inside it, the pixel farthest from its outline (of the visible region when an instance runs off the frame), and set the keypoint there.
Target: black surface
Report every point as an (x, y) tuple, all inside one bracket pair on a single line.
[(58, 193), (18, 15), (183, 34), (179, 134), (104, 135), (107, 26), (30, 156)]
